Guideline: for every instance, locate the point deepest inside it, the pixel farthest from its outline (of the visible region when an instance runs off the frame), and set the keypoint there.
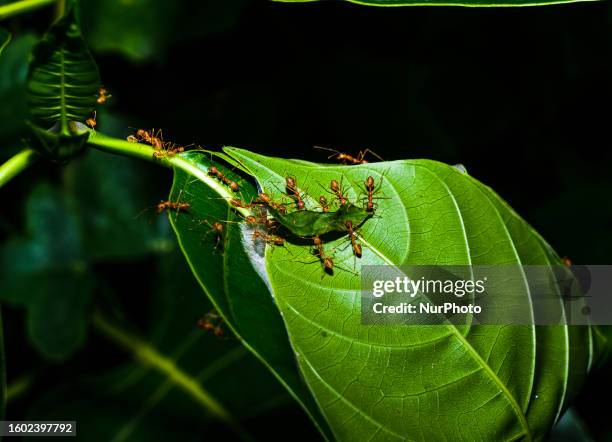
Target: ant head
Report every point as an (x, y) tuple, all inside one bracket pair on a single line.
[(369, 183), (291, 182)]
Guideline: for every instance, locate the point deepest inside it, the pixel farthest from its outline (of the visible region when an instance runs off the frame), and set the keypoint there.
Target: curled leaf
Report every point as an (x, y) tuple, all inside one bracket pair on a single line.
[(62, 84)]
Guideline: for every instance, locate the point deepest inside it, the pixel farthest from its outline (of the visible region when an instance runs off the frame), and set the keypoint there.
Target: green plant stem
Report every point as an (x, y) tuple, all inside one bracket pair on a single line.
[(19, 387), (21, 7), (60, 9), (145, 152), (151, 357), (15, 165)]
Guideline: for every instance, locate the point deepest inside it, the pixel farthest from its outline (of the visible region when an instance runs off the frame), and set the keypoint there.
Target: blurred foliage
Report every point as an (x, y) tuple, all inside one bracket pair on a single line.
[(142, 30), (87, 219), (136, 401), (45, 270), (13, 73), (570, 428)]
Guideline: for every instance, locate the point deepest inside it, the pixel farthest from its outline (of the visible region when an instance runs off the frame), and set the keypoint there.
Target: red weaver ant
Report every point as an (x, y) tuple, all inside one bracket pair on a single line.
[(163, 205), (148, 137), (91, 122), (217, 228), (328, 263), (371, 189), (294, 192), (212, 321), (214, 171), (103, 95), (353, 237), (270, 239), (337, 190), (261, 219), (324, 204), (264, 198), (345, 158)]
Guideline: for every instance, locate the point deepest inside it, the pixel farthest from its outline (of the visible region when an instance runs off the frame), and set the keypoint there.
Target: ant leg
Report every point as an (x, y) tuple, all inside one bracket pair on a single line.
[(371, 152)]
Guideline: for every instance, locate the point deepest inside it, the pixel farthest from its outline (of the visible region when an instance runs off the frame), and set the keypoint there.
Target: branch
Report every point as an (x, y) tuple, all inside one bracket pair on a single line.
[(15, 165), (151, 357), (145, 152), (21, 7)]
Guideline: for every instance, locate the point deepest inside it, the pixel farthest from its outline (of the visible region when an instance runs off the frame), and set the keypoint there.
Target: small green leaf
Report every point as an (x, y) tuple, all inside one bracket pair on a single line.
[(62, 86), (55, 145)]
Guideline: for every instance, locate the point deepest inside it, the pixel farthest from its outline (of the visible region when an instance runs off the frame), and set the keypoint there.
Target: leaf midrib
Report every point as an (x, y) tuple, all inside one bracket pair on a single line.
[(63, 112)]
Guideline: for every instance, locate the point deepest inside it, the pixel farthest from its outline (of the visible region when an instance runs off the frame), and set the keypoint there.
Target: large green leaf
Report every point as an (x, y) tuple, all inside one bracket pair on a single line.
[(62, 86), (472, 3), (408, 382), (229, 275)]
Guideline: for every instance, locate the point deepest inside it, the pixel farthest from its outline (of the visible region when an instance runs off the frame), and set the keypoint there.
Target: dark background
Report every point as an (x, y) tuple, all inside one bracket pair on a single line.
[(521, 97)]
